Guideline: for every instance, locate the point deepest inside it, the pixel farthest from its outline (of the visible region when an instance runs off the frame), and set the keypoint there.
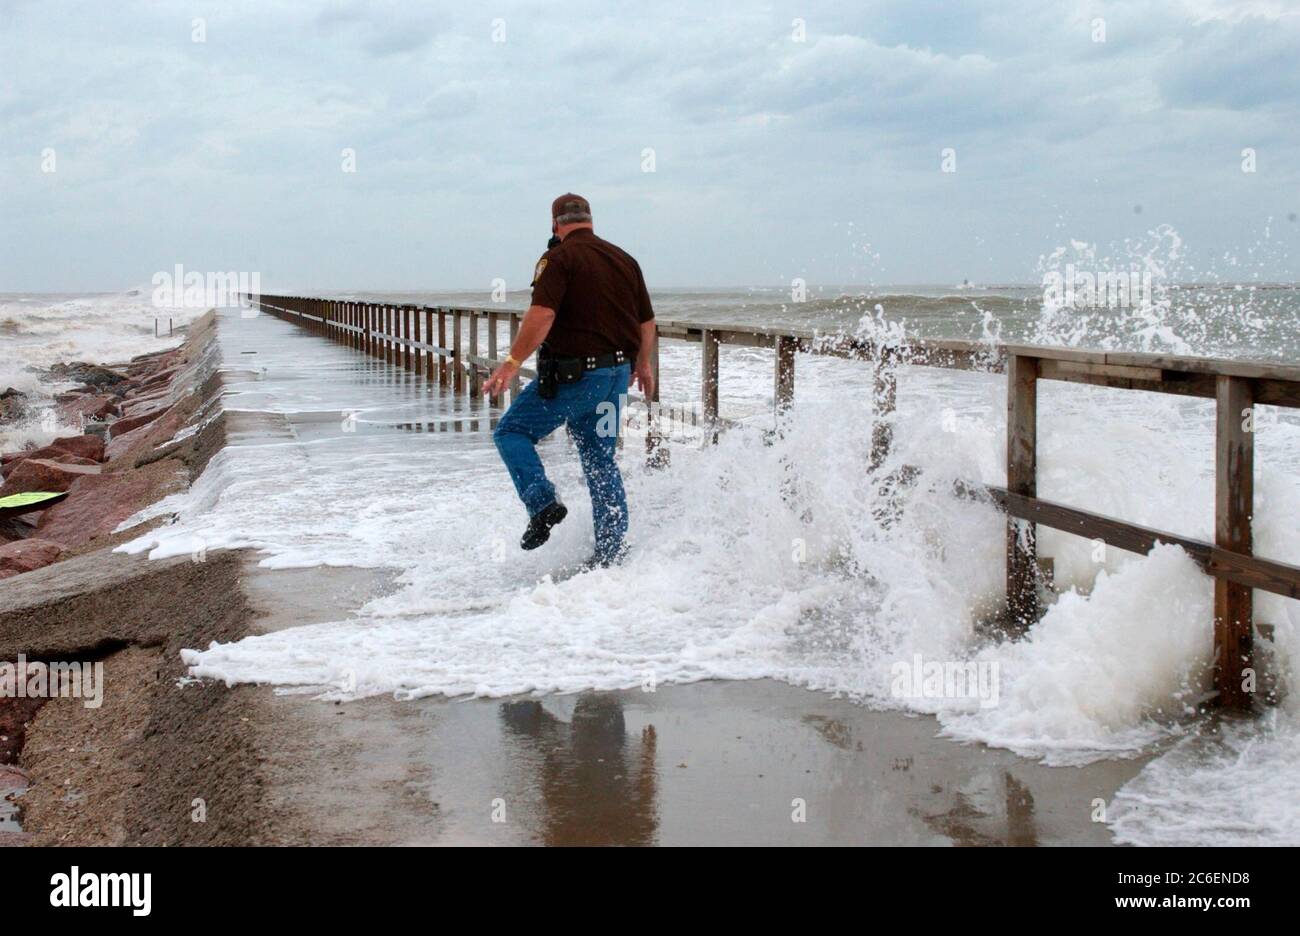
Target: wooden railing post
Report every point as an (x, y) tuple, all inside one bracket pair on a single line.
[(431, 361), (390, 332), (457, 370), (475, 376), (656, 446), (783, 394), (492, 337), (1234, 500), (442, 343), (514, 333), (709, 381), (408, 355), (393, 330), (417, 364), (885, 399), (1022, 478)]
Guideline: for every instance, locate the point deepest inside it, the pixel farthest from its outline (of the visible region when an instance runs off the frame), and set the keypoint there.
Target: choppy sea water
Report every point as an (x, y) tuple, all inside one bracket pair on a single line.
[(765, 557)]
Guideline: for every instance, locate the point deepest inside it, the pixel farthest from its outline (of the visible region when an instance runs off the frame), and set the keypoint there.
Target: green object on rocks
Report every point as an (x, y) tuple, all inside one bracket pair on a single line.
[(16, 504)]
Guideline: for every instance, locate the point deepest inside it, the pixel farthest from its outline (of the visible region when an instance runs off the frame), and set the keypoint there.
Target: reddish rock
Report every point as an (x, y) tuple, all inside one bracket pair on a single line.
[(13, 403), (96, 504), (87, 446), (88, 407), (148, 364), (20, 527), (69, 455), (125, 448), (92, 375), (28, 554), (145, 400), (63, 458), (43, 474), (160, 377), (127, 423), (4, 574)]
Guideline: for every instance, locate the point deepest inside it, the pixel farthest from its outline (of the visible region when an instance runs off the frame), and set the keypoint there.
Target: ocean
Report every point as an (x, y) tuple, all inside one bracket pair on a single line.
[(767, 556)]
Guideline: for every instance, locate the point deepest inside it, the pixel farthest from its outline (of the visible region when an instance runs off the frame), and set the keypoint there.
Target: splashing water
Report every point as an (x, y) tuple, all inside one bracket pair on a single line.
[(771, 554)]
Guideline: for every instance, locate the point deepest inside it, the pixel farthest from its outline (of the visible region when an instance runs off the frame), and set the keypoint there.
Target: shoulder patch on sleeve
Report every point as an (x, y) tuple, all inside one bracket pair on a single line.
[(537, 271)]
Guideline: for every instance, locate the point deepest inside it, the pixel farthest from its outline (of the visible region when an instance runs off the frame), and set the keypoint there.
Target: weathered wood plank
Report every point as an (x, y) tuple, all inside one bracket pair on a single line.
[(390, 350), (421, 355), (431, 362), (783, 393), (442, 340), (709, 376), (406, 334), (457, 370), (1234, 500), (1064, 370), (1022, 478), (475, 376), (1252, 571), (1276, 392)]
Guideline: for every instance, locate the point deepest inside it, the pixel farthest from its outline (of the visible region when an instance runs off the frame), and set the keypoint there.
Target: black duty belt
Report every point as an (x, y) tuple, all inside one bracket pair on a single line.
[(555, 370), (597, 361)]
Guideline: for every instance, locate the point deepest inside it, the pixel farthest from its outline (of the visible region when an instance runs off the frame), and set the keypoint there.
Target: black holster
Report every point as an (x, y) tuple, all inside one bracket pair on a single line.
[(553, 371), (546, 385)]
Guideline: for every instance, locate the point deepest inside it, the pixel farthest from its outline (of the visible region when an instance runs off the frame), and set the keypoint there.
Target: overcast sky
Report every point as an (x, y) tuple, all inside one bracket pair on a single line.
[(777, 152)]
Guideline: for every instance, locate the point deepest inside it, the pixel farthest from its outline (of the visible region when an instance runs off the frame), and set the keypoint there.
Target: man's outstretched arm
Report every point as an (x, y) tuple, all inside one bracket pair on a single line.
[(532, 332), (645, 370)]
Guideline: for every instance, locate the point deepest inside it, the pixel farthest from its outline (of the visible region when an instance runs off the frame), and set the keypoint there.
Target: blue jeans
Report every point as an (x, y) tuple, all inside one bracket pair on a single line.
[(592, 408)]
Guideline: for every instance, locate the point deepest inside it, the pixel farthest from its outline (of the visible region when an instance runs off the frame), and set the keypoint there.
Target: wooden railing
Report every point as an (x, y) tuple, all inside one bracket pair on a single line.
[(403, 335)]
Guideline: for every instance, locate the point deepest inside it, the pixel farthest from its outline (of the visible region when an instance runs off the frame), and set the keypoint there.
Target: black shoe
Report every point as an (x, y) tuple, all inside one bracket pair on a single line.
[(595, 562), (539, 526)]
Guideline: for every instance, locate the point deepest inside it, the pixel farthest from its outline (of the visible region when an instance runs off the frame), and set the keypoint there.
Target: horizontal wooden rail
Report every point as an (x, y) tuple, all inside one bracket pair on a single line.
[(1251, 571), (395, 334)]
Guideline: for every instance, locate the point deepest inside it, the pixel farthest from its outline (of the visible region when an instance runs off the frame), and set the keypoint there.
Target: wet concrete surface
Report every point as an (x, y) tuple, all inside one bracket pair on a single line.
[(735, 763), (738, 763)]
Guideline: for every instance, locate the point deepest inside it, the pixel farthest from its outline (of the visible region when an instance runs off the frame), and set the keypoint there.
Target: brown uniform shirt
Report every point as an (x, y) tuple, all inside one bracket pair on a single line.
[(598, 295)]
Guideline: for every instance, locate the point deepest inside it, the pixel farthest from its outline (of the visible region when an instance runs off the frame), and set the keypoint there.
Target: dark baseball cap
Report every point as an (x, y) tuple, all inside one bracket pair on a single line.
[(568, 205)]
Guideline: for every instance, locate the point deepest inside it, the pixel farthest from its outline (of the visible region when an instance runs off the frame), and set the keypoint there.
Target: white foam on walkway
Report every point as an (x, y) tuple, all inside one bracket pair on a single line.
[(755, 558)]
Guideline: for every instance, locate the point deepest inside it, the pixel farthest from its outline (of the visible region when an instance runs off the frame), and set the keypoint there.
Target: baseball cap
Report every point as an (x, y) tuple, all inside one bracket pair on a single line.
[(572, 208)]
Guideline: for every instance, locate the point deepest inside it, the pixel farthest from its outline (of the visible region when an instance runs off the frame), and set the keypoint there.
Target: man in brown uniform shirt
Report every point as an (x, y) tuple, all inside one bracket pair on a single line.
[(591, 308)]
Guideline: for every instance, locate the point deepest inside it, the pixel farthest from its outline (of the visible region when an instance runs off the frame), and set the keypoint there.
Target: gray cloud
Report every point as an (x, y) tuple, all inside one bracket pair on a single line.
[(227, 154)]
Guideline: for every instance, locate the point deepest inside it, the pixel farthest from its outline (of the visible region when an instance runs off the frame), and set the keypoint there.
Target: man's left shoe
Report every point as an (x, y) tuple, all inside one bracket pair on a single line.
[(539, 525), (594, 561)]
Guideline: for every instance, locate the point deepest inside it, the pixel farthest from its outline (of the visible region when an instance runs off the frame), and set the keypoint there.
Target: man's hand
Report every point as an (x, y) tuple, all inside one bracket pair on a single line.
[(499, 382), (644, 376)]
